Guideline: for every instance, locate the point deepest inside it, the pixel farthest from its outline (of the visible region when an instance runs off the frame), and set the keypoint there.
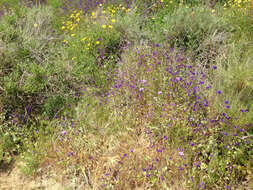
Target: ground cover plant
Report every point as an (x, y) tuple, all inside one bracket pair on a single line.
[(127, 94)]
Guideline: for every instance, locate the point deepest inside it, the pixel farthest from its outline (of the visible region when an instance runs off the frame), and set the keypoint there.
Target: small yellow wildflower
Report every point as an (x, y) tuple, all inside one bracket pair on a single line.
[(92, 13), (63, 27), (97, 42), (35, 25), (103, 26), (110, 26), (213, 11), (123, 8), (153, 18), (100, 5), (88, 44), (73, 35), (103, 12), (161, 1), (83, 39), (113, 20), (65, 41)]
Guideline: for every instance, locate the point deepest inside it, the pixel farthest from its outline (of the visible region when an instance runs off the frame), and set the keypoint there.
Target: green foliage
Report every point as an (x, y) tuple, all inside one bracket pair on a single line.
[(53, 105), (187, 27), (29, 40)]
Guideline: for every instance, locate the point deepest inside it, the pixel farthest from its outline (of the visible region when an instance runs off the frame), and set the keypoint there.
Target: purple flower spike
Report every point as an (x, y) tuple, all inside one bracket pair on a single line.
[(214, 67), (219, 92)]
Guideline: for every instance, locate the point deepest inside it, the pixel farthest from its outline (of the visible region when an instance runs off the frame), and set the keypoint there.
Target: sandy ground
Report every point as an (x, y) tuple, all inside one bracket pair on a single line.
[(12, 178)]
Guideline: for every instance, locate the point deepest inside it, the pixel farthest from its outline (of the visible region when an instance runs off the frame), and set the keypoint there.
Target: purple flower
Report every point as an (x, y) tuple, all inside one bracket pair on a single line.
[(214, 67), (181, 153), (219, 92), (192, 144), (159, 92), (227, 106), (64, 132), (226, 102), (141, 89), (159, 150)]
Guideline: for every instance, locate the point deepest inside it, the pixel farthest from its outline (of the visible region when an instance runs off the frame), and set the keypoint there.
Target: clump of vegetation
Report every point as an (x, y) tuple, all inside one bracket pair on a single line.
[(166, 103)]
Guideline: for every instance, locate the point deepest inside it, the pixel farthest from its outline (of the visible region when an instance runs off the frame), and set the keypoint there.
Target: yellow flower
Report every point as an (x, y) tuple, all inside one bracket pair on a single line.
[(100, 5), (153, 18), (65, 41), (83, 39), (97, 42), (103, 12), (113, 20), (161, 1), (110, 26), (87, 48), (73, 35), (35, 25), (92, 13), (103, 26), (213, 11), (63, 27), (88, 44)]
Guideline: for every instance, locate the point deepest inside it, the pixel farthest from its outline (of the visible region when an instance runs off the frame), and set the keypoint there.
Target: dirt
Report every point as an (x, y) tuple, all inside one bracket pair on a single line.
[(12, 178)]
